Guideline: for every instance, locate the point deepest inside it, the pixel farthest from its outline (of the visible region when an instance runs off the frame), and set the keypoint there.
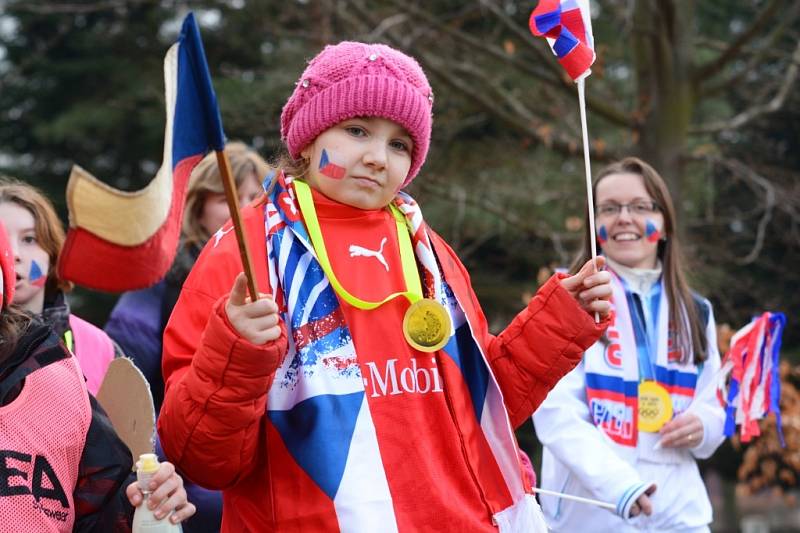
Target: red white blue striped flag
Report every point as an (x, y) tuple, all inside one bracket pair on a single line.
[(567, 25), (119, 240)]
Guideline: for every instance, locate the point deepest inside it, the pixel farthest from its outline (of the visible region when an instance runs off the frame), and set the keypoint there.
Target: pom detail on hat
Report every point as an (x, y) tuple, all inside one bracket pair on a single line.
[(353, 79)]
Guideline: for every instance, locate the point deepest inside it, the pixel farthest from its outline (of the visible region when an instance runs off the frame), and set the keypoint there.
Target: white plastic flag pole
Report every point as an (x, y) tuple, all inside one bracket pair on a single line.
[(576, 498), (588, 166)]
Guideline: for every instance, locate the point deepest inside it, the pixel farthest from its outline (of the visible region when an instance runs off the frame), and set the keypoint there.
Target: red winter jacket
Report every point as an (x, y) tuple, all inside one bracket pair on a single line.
[(213, 421)]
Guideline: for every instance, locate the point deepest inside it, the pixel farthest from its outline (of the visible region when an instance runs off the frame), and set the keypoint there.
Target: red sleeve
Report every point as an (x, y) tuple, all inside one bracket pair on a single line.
[(540, 346), (216, 382)]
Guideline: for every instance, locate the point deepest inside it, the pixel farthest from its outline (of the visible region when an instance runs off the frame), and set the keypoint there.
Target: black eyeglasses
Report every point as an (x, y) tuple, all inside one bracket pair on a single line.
[(639, 207)]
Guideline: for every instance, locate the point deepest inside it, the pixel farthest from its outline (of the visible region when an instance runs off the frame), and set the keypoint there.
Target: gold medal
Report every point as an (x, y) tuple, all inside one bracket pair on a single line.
[(655, 406), (426, 325)]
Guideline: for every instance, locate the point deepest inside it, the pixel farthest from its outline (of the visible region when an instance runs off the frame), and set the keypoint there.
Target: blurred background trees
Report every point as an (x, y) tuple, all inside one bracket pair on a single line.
[(706, 91)]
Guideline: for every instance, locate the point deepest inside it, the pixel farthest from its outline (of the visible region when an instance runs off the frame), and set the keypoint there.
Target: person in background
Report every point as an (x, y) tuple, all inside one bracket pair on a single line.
[(38, 235), (138, 319), (64, 467), (604, 435)]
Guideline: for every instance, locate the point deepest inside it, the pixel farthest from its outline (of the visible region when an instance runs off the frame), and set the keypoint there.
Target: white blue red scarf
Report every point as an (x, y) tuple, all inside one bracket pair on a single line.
[(317, 401), (613, 374)]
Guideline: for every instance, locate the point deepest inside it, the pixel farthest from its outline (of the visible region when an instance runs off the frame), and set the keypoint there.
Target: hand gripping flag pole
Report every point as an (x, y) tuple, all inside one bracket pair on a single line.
[(567, 26), (118, 240)]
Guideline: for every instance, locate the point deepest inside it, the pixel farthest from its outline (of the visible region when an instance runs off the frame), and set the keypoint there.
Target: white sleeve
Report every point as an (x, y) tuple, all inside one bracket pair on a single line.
[(564, 426), (706, 405)]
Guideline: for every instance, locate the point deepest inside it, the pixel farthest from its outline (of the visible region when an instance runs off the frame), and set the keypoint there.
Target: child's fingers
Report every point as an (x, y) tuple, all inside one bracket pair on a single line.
[(263, 323), (602, 307), (264, 336), (600, 262), (165, 470), (163, 491), (598, 292), (598, 278), (576, 282), (264, 307), (175, 500), (133, 494), (238, 294), (183, 513)]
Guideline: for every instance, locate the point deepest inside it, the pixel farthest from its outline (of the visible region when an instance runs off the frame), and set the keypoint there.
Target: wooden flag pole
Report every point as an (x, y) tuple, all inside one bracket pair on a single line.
[(232, 196)]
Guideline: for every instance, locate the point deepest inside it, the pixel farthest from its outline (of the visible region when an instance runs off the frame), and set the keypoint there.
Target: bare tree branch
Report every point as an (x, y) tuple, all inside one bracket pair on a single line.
[(602, 107), (756, 56), (435, 185), (552, 75), (712, 68), (756, 181), (761, 109), (476, 44)]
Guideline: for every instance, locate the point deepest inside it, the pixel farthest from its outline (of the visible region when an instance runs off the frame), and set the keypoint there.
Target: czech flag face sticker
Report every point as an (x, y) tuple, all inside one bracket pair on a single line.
[(651, 231), (602, 234), (36, 277)]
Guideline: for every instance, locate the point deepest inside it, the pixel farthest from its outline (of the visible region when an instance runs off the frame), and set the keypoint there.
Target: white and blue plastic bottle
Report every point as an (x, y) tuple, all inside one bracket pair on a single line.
[(144, 521)]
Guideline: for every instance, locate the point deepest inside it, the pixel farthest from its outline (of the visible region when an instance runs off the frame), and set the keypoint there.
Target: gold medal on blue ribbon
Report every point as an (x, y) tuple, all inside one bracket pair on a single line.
[(426, 325), (655, 406)]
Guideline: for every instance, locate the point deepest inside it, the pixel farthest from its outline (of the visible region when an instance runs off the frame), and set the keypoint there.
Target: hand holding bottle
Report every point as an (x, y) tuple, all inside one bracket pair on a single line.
[(158, 494)]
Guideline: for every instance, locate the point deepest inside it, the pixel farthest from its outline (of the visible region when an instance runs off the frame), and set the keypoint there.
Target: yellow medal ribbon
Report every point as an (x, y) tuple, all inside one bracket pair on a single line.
[(426, 325), (655, 406)]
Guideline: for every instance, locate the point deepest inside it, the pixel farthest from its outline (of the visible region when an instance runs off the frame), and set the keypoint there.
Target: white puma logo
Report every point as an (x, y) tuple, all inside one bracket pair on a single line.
[(220, 234), (365, 252)]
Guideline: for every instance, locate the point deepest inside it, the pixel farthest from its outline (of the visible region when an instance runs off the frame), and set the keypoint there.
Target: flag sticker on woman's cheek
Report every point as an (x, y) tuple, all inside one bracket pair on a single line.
[(36, 277), (602, 234), (327, 166), (651, 231)]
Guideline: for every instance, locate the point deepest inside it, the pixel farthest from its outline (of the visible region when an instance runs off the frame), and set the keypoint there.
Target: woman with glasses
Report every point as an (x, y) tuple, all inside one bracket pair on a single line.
[(627, 425)]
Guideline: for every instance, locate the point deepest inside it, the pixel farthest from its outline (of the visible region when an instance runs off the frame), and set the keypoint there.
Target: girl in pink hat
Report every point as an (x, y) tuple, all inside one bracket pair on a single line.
[(62, 466), (362, 391)]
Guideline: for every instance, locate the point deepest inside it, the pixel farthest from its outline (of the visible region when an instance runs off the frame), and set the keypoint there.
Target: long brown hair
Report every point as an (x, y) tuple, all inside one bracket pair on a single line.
[(683, 310), (47, 226), (206, 180), (297, 168), (13, 323)]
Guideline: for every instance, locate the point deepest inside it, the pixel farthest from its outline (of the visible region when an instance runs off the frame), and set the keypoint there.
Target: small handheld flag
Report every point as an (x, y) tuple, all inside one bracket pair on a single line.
[(568, 28), (754, 390), (119, 240), (567, 25)]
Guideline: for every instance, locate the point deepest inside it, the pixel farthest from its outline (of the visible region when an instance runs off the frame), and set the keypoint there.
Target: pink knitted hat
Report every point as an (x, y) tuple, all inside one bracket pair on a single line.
[(352, 79), (7, 275)]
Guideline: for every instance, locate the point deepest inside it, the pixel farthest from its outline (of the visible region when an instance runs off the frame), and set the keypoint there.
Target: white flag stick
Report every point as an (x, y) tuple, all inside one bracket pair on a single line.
[(588, 166), (576, 498)]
